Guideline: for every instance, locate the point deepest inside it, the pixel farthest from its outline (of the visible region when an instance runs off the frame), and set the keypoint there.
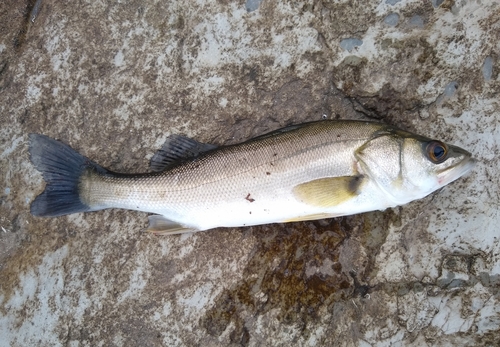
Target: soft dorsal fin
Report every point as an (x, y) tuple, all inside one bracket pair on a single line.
[(176, 149)]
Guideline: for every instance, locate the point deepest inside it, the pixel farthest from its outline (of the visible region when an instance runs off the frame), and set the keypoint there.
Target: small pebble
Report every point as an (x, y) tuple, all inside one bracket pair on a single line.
[(392, 19), (437, 3), (416, 21), (350, 43), (487, 68), (252, 5)]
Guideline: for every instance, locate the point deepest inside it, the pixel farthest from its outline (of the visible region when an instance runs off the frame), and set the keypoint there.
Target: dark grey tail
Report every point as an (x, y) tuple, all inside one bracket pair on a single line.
[(62, 168)]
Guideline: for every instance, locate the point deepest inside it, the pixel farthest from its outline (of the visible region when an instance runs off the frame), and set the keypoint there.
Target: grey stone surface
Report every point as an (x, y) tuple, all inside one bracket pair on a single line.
[(392, 19), (114, 78)]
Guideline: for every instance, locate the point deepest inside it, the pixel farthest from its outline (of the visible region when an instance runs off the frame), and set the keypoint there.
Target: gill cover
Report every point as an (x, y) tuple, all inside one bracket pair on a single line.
[(381, 159)]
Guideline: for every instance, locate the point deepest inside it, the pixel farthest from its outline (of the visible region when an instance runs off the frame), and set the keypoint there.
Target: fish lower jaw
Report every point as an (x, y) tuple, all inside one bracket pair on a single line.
[(451, 174)]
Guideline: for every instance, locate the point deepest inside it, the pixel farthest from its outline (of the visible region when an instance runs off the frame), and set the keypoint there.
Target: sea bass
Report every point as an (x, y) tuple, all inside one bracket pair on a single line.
[(310, 171)]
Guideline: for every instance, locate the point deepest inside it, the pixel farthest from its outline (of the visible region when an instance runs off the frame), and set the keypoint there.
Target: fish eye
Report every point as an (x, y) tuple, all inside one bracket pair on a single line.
[(436, 151)]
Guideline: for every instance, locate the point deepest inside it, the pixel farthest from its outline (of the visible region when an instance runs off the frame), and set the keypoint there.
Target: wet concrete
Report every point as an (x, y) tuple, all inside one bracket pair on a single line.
[(113, 79)]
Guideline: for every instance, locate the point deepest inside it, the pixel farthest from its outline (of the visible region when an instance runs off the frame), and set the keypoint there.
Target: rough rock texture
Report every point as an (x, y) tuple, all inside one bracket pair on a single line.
[(114, 78)]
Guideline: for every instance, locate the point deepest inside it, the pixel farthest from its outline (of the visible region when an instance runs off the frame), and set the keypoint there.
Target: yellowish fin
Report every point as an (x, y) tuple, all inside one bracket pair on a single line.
[(314, 216), (328, 192), (162, 226)]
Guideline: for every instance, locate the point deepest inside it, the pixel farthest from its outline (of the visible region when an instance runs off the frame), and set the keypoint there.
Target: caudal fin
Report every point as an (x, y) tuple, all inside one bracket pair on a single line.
[(61, 167)]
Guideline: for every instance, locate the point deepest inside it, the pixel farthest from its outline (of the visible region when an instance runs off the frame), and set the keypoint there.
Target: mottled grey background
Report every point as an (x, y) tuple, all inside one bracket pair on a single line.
[(114, 78)]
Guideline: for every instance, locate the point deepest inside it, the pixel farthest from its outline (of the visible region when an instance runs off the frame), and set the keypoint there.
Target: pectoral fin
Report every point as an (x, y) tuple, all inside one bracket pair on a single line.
[(162, 226), (328, 192)]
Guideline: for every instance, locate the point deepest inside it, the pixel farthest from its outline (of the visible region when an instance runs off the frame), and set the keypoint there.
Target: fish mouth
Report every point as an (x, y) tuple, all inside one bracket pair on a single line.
[(454, 172)]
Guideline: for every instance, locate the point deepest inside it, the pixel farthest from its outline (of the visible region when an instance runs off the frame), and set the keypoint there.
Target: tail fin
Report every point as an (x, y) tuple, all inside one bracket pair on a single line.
[(62, 168)]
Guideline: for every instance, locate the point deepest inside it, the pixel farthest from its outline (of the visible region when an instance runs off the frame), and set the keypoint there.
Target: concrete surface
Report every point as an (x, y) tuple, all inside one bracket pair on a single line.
[(114, 78)]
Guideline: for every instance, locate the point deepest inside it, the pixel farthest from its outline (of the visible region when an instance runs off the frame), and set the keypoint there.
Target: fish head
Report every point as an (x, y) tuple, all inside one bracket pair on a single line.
[(408, 167)]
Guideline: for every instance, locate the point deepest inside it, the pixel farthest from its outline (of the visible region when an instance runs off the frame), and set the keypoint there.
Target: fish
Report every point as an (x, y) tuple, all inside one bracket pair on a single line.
[(315, 170)]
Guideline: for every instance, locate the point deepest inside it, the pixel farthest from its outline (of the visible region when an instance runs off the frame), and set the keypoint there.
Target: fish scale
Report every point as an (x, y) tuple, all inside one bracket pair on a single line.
[(310, 171), (239, 168)]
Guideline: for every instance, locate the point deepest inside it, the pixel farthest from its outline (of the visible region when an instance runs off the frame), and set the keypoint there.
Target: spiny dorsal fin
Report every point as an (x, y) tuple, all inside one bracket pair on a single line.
[(160, 225), (176, 149), (329, 191), (279, 131)]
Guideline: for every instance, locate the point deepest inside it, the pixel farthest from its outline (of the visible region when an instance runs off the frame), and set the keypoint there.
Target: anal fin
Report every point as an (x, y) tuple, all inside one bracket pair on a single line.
[(329, 191), (160, 225), (314, 216)]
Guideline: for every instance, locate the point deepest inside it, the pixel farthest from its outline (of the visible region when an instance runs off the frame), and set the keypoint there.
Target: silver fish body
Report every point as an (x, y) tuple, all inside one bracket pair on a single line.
[(310, 171)]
